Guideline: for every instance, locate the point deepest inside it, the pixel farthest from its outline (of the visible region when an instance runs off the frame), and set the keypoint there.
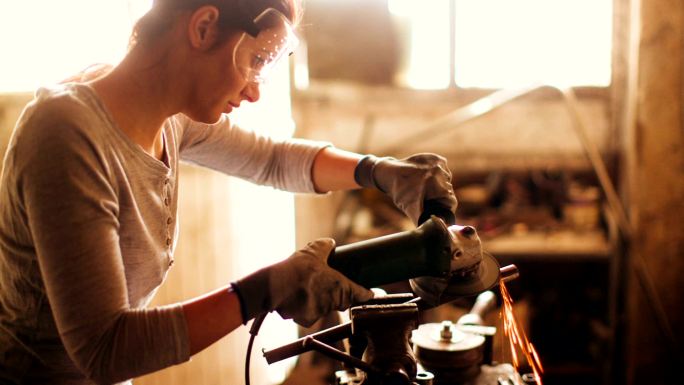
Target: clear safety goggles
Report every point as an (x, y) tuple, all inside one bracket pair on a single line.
[(269, 38)]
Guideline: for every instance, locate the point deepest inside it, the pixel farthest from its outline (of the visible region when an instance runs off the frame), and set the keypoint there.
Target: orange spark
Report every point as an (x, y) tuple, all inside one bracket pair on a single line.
[(517, 337)]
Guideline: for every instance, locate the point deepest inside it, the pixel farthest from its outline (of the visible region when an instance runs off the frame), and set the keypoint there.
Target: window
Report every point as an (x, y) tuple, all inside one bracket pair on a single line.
[(506, 43), (45, 41)]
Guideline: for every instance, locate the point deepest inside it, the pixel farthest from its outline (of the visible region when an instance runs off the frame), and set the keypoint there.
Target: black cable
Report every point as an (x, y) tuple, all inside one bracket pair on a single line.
[(253, 331), (249, 353)]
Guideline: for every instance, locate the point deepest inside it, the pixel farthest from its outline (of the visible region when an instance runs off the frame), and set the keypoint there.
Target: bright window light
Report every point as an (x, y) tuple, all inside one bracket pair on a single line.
[(428, 21), (504, 43), (46, 41)]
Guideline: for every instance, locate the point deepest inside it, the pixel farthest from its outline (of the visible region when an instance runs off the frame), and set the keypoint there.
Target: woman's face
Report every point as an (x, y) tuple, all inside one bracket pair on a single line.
[(226, 71), (219, 87)]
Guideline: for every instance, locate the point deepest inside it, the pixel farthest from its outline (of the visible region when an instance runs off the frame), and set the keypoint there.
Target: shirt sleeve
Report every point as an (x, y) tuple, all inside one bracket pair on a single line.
[(71, 207), (281, 163)]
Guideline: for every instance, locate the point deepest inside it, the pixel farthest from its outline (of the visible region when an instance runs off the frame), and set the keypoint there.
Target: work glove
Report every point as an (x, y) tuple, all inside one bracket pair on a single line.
[(302, 287), (410, 182)]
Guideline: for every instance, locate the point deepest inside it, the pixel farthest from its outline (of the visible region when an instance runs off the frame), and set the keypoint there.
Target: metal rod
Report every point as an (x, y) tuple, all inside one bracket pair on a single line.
[(594, 156), (310, 343), (297, 347), (457, 117), (509, 273)]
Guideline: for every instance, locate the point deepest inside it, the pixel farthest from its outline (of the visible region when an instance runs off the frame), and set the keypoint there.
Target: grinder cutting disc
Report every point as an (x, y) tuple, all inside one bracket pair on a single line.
[(436, 291)]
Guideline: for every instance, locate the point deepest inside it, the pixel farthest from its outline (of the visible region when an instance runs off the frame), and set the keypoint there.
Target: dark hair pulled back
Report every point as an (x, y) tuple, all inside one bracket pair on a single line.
[(231, 13)]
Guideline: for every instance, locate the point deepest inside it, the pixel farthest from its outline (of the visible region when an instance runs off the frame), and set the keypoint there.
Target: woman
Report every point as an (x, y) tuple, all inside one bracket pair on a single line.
[(89, 190)]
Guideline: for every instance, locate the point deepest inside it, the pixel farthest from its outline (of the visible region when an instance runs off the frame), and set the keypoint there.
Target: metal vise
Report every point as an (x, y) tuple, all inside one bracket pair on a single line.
[(380, 352)]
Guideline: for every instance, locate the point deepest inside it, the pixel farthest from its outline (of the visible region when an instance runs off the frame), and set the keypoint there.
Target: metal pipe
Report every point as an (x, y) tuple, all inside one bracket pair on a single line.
[(509, 273), (298, 347), (310, 343), (459, 116)]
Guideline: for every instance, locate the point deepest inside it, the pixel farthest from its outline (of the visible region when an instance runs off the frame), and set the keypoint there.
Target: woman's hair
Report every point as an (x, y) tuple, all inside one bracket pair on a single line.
[(231, 14)]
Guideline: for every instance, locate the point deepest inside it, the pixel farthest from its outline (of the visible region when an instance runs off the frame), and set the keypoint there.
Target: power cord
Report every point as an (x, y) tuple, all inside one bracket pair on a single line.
[(253, 331)]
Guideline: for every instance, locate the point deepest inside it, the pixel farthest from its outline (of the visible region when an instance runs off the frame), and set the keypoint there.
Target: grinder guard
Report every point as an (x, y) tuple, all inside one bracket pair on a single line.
[(438, 290)]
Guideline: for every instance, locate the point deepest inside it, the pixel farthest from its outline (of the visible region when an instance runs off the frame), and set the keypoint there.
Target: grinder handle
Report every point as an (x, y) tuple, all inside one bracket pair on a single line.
[(424, 251), (434, 207)]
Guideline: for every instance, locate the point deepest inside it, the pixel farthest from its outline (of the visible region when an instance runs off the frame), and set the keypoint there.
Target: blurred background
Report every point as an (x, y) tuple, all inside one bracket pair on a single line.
[(562, 122)]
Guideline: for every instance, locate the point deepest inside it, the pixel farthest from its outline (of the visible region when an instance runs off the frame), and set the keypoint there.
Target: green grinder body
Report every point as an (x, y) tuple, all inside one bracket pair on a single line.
[(424, 251)]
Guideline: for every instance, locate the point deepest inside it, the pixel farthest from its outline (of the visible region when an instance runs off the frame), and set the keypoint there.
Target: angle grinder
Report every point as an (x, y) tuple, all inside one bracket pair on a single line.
[(442, 262)]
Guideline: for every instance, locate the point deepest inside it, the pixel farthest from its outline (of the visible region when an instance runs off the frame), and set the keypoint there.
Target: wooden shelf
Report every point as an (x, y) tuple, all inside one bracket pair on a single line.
[(550, 245)]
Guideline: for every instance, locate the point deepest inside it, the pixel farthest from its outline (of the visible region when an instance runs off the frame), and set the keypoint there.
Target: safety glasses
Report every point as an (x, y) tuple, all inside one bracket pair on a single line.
[(269, 38)]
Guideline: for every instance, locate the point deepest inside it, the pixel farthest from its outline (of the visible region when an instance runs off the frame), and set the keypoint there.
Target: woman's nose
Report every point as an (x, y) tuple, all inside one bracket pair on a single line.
[(251, 92)]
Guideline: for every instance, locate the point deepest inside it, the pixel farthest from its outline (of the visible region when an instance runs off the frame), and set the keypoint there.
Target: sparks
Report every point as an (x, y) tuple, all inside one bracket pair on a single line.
[(517, 337)]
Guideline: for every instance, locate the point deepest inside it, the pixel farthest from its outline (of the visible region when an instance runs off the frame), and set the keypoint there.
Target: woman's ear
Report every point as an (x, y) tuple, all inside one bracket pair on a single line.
[(202, 28)]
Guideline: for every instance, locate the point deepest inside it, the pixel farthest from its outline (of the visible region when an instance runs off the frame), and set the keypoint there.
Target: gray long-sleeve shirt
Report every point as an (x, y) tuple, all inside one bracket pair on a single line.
[(87, 233)]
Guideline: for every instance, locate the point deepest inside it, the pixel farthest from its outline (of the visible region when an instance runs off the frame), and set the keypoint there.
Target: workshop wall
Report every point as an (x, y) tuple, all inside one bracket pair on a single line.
[(352, 100), (656, 153), (11, 106), (533, 131)]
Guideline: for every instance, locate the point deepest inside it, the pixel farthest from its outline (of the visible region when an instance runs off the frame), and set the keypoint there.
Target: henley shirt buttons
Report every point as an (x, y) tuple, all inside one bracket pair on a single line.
[(169, 220), (166, 201), (168, 241)]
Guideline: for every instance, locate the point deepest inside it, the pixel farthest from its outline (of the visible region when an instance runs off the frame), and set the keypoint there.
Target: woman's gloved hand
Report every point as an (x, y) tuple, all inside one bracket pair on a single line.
[(410, 182), (302, 287)]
